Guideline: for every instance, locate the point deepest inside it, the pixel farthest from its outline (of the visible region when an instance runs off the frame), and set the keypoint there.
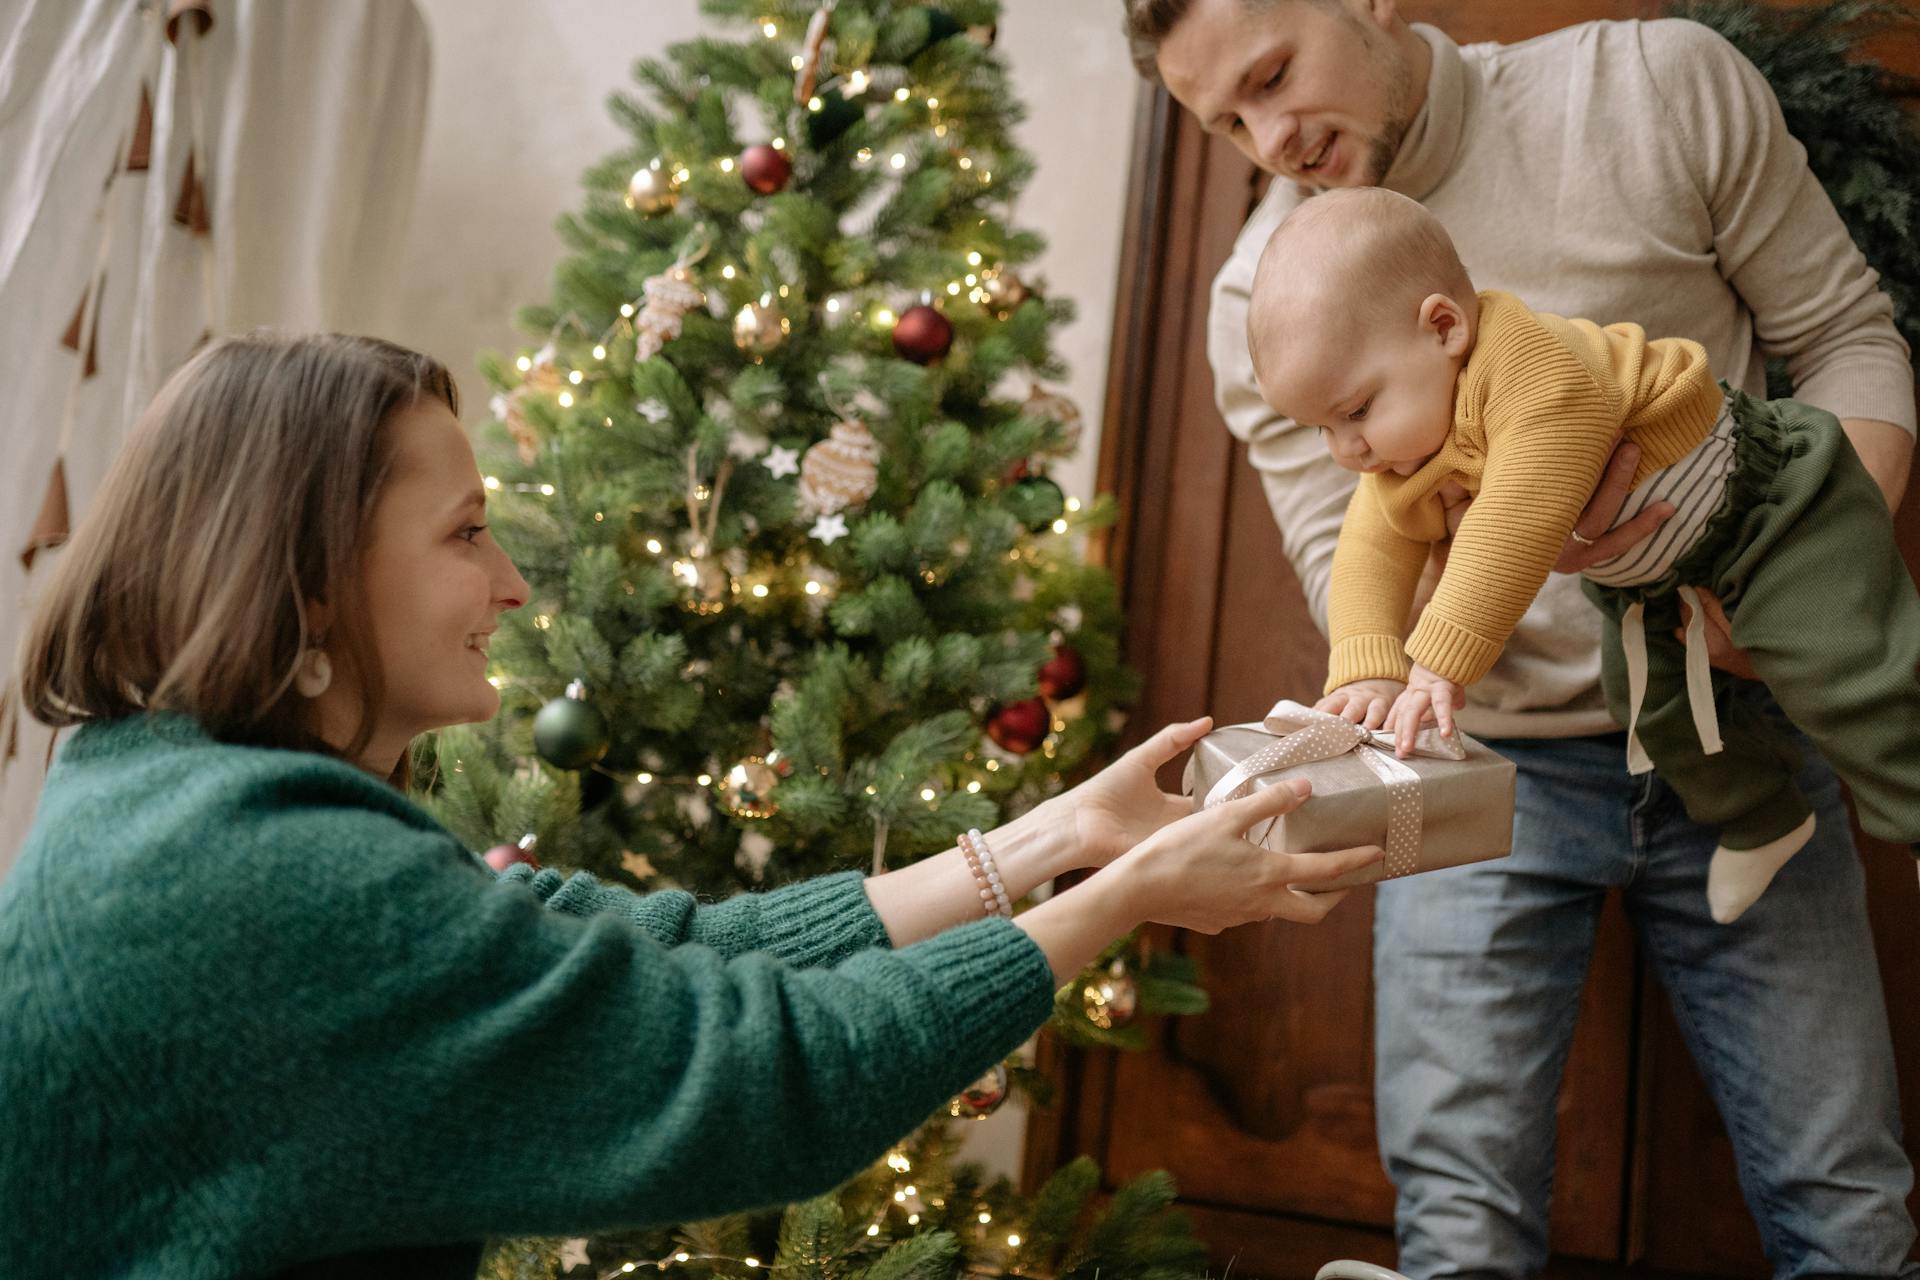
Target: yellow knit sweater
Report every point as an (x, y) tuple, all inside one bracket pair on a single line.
[(1537, 410)]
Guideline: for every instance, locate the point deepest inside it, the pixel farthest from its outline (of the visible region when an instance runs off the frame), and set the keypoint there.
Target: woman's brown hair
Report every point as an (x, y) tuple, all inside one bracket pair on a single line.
[(243, 495)]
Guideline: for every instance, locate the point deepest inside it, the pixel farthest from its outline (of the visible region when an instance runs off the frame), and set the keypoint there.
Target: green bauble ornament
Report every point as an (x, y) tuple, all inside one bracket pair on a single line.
[(1036, 501), (570, 732)]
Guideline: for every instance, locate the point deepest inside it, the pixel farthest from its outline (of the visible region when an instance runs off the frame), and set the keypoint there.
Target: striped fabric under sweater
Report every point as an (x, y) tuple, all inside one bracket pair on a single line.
[(1695, 486)]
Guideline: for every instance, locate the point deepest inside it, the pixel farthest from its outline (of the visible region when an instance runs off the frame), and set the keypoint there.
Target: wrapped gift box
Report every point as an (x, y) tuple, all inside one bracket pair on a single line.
[(1448, 804)]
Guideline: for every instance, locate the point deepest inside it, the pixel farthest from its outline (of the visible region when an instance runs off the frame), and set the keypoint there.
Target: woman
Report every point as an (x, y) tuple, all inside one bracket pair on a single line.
[(265, 1016)]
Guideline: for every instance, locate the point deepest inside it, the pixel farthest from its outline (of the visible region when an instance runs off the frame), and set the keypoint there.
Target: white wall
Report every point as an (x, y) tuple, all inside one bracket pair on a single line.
[(517, 112)]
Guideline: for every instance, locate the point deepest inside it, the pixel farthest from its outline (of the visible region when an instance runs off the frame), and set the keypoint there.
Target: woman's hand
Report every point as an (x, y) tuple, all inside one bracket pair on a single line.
[(1122, 805), (1364, 702), (1199, 873), (1426, 691)]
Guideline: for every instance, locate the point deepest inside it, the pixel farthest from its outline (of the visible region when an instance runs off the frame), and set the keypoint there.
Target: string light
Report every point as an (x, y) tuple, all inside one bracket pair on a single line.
[(653, 545), (898, 160), (546, 490), (599, 351), (760, 590), (833, 305), (626, 309), (542, 621), (770, 28), (566, 399), (705, 779), (798, 62), (778, 144), (523, 364), (1073, 504), (643, 779), (813, 588), (973, 259), (901, 94), (492, 482), (1014, 1241), (973, 788), (1059, 526), (727, 272), (726, 164), (883, 318), (985, 1217), (966, 162), (814, 103), (857, 82), (576, 377)]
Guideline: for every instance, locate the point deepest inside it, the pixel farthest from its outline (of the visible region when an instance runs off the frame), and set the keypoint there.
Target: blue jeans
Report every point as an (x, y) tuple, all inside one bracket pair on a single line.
[(1478, 970)]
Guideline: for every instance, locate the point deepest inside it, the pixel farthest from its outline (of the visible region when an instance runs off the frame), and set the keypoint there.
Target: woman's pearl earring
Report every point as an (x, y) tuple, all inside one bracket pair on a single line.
[(313, 674)]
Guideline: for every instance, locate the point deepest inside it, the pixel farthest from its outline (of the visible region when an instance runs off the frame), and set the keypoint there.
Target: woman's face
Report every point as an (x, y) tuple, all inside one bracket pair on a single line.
[(436, 584)]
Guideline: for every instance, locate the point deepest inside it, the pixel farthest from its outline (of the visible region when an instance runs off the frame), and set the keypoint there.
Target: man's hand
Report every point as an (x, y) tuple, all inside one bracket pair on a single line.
[(1364, 702), (1426, 691), (1721, 650), (1594, 539)]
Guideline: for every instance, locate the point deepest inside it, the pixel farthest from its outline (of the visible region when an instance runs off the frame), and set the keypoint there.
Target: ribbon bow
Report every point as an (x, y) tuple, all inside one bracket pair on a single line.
[(1305, 735)]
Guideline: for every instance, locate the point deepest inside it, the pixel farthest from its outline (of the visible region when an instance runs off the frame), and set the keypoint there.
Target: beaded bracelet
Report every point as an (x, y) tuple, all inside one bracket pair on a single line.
[(993, 894)]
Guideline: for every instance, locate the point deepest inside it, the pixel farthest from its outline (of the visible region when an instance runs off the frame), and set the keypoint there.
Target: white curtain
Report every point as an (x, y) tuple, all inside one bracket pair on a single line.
[(303, 124)]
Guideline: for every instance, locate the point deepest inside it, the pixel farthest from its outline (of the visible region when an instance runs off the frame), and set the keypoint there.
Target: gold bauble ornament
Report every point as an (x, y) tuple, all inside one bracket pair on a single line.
[(651, 191), (758, 328), (983, 1097), (1004, 291), (1048, 404), (841, 471), (746, 789), (1110, 1000)]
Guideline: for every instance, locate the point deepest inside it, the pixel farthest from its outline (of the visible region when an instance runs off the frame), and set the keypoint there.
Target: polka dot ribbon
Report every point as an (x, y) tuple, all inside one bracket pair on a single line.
[(1305, 735)]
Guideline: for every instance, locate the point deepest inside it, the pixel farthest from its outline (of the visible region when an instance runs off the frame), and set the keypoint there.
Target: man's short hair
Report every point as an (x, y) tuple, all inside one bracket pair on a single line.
[(1148, 22)]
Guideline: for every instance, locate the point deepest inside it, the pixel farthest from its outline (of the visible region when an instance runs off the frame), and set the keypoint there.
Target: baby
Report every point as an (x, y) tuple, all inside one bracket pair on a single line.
[(1365, 325)]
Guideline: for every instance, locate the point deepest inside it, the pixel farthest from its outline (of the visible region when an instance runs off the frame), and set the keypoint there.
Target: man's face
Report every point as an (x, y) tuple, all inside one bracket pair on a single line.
[(1315, 91)]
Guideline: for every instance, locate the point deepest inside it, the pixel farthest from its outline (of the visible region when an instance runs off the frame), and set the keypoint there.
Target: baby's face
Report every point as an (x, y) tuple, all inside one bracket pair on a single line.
[(1382, 400)]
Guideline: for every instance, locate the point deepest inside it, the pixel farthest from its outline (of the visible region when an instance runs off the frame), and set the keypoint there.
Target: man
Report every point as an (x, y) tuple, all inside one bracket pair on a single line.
[(1623, 171)]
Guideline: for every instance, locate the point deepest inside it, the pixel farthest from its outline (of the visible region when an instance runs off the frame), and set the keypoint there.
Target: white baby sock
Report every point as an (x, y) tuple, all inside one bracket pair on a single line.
[(1737, 877)]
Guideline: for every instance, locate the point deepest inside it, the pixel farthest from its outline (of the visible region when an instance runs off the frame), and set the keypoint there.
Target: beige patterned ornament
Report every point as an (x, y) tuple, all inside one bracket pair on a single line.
[(1048, 404), (670, 295), (544, 375), (842, 470), (810, 51)]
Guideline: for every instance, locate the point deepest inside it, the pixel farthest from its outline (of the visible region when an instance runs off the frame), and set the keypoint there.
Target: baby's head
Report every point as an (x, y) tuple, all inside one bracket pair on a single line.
[(1361, 320)]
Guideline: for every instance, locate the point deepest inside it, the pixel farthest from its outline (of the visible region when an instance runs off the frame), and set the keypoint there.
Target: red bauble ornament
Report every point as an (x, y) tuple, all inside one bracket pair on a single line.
[(765, 168), (502, 856), (1017, 470), (923, 335), (1064, 674), (1021, 726)]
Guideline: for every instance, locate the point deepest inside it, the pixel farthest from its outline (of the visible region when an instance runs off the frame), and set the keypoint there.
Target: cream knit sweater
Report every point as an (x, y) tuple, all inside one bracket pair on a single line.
[(1629, 170)]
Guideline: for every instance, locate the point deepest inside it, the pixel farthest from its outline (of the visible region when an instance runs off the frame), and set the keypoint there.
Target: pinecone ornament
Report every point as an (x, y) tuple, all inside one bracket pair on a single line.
[(670, 295)]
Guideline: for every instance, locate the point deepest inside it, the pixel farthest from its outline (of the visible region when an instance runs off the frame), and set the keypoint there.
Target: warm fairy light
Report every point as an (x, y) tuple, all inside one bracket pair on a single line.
[(900, 1196), (813, 588), (1073, 504), (973, 259), (542, 621), (599, 351), (972, 279), (750, 1261), (933, 104), (566, 399), (985, 1217), (986, 175), (681, 175), (953, 287), (778, 144), (973, 788), (626, 308), (898, 160), (783, 290), (546, 491), (653, 545), (912, 1190), (872, 790), (577, 377), (627, 1266), (1059, 526), (682, 1256), (494, 681), (833, 305), (898, 1162), (760, 590), (727, 272), (1014, 1241), (492, 482), (926, 793), (766, 299), (644, 779), (599, 517), (939, 131), (523, 364), (857, 82), (814, 103), (883, 317), (726, 164), (873, 1229), (705, 779), (901, 94), (993, 766), (863, 155), (770, 28), (913, 1219), (966, 162)]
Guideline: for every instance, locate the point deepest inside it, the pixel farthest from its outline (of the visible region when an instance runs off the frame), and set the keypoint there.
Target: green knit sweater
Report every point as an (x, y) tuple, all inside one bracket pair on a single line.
[(262, 1016)]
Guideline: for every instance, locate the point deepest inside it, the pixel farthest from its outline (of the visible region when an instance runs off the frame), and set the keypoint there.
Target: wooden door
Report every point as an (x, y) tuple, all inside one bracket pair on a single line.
[(1262, 1108)]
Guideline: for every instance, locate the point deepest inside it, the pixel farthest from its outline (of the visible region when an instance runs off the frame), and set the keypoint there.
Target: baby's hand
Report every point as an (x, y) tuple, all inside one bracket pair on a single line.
[(1425, 691), (1364, 702)]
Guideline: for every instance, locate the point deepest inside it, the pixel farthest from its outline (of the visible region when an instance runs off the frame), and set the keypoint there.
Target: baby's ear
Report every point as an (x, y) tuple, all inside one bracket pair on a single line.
[(1446, 320)]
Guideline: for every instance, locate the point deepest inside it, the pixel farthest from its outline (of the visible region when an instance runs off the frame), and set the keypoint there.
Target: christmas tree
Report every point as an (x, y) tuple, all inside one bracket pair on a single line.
[(804, 596)]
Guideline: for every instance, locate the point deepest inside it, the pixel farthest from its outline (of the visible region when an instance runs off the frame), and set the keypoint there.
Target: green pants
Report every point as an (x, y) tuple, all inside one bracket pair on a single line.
[(1802, 555)]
